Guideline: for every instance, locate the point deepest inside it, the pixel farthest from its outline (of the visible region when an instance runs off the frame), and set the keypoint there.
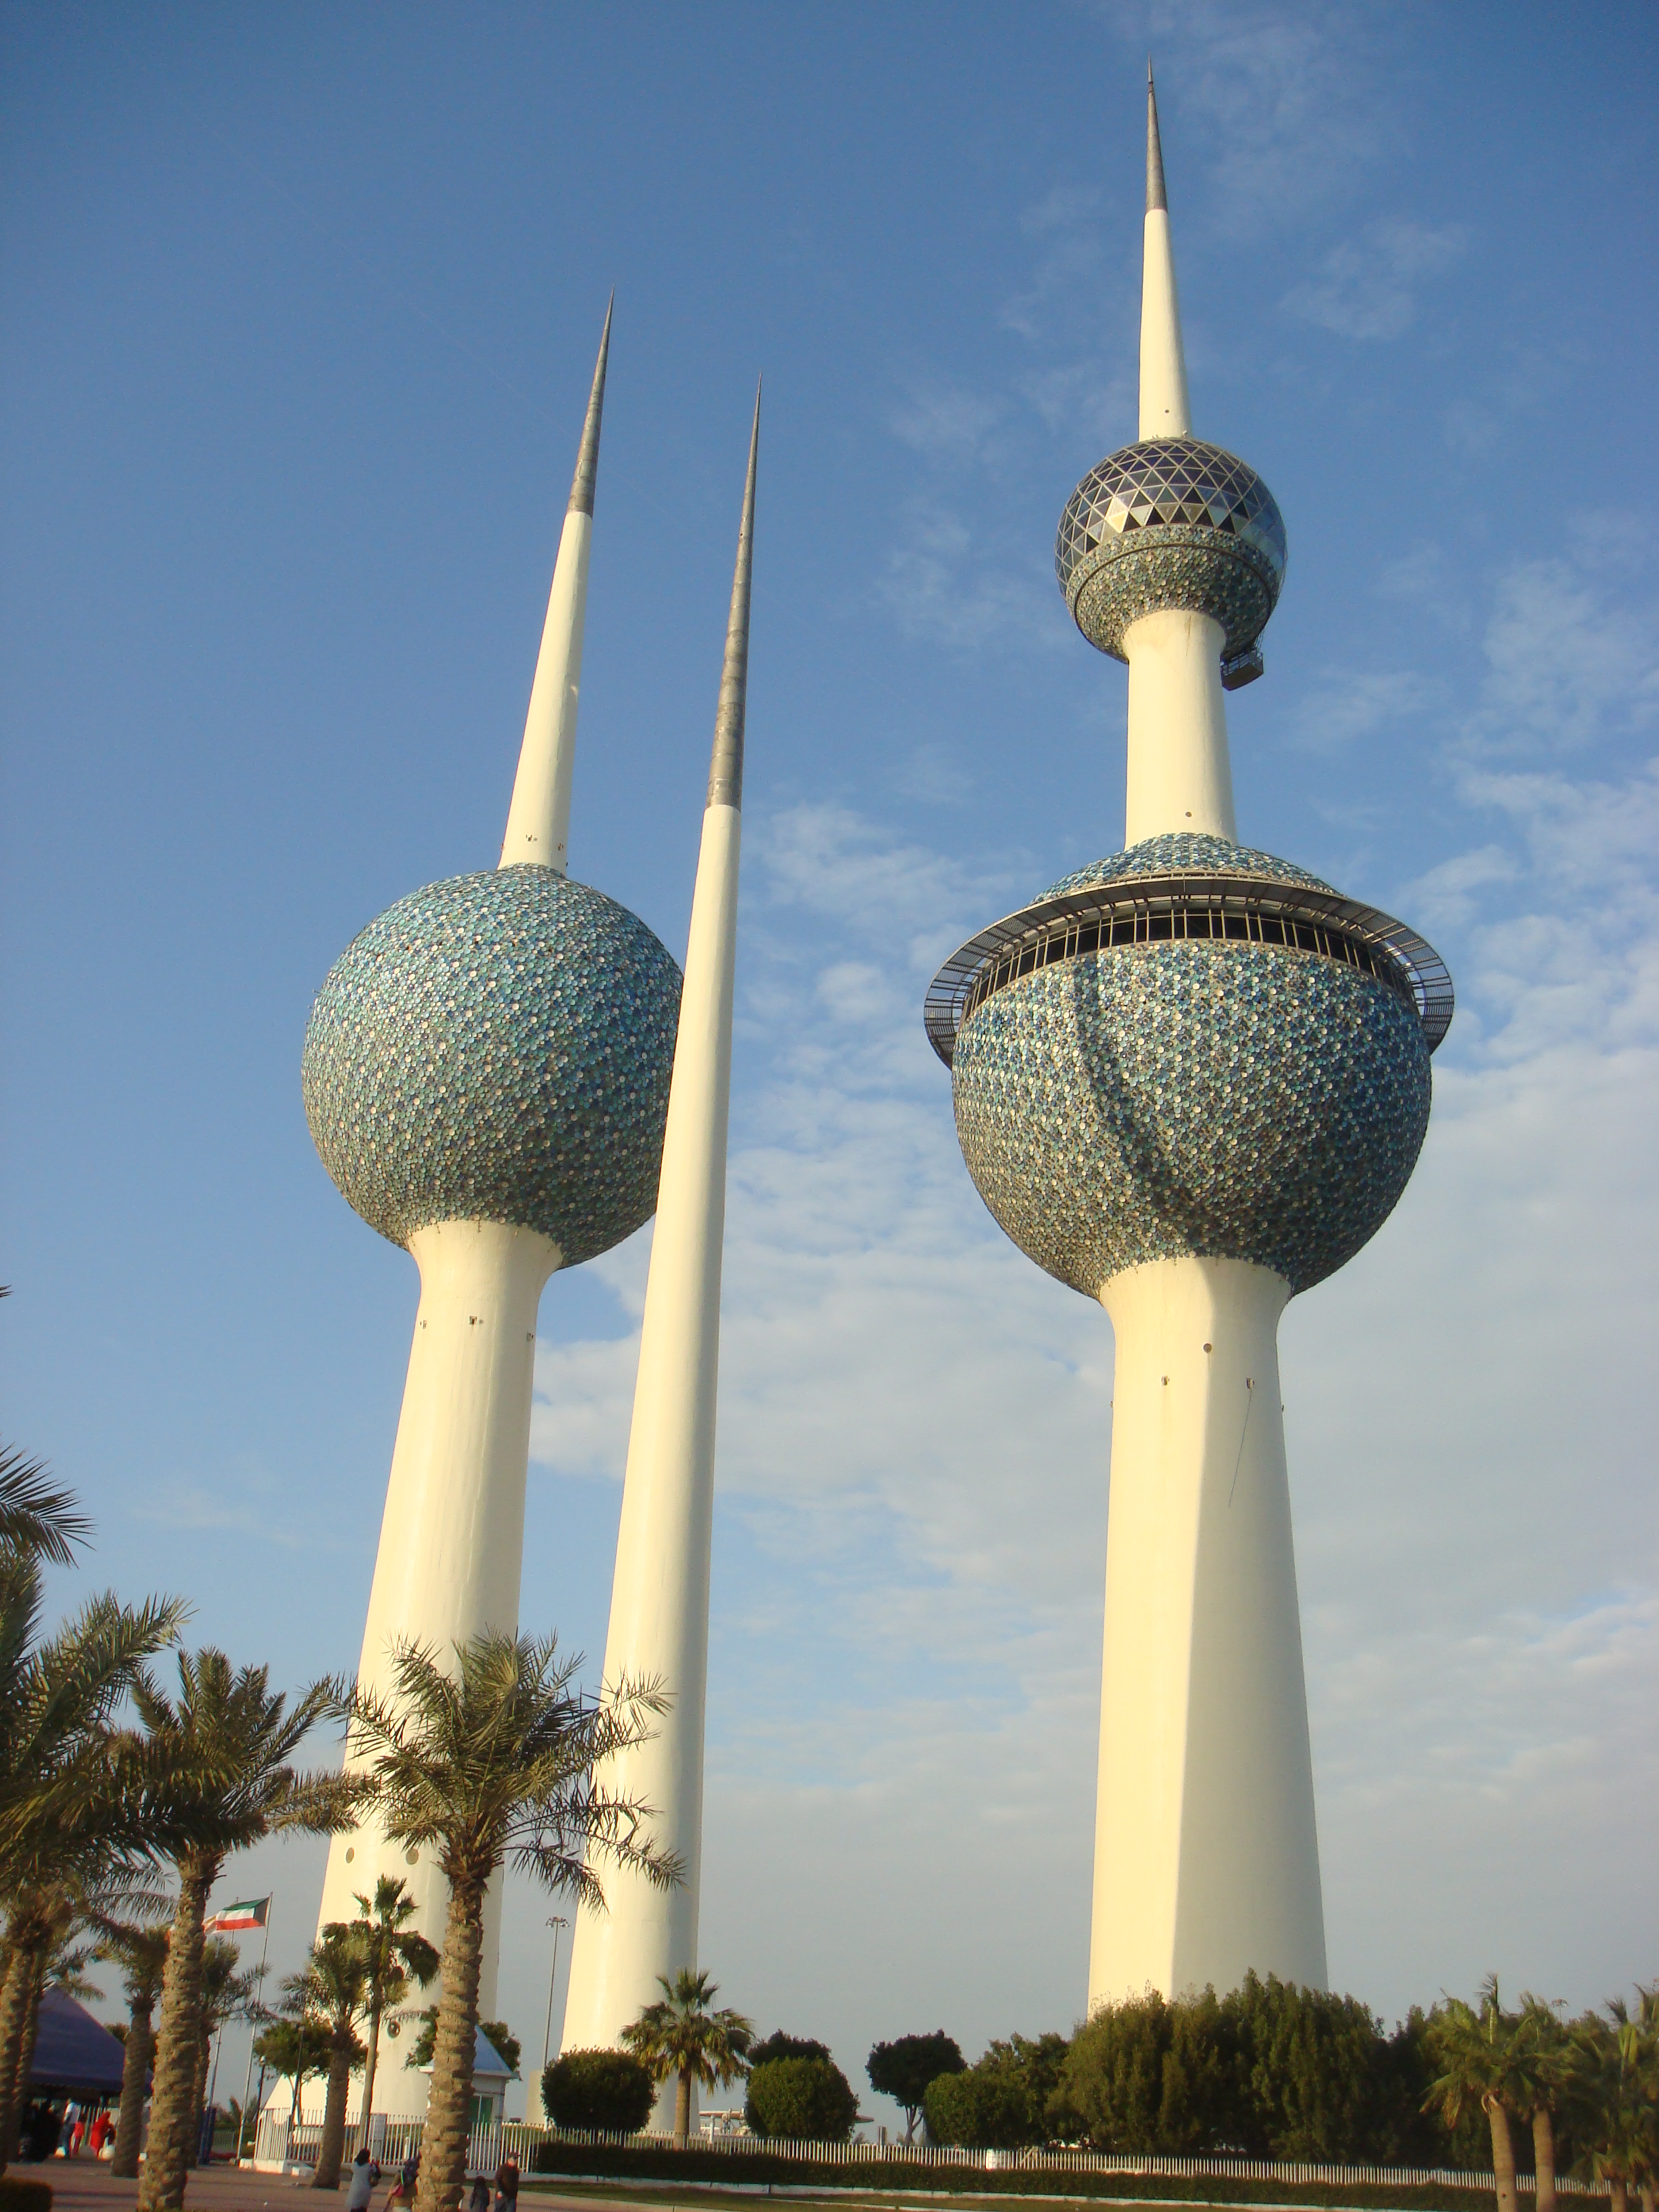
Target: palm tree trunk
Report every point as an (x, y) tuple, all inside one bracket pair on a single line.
[(369, 2066), (14, 2020), (449, 2100), (1619, 2194), (1502, 2154), (682, 2112), (19, 2092), (332, 2149), (1543, 2157), (135, 2064), (172, 2152)]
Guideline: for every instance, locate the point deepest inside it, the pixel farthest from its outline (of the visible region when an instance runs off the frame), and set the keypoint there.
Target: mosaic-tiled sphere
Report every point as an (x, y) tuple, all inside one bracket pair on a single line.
[(1229, 1099), (498, 1047), (1171, 522)]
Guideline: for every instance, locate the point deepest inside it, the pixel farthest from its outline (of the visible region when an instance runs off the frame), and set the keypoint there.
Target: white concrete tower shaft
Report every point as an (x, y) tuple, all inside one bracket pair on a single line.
[(660, 1597), (1180, 776), (1207, 1855), (452, 1536)]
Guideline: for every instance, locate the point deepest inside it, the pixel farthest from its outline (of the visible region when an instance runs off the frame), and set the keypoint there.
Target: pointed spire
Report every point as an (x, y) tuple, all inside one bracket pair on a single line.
[(587, 459), (1155, 195), (539, 819), (726, 765), (1163, 409)]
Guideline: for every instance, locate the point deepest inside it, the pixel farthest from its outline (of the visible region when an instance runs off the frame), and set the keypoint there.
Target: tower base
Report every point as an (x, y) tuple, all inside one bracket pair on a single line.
[(452, 1538), (1206, 1858)]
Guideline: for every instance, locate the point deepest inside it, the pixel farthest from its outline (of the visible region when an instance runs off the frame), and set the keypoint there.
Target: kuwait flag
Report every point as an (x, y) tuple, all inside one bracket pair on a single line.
[(250, 1913)]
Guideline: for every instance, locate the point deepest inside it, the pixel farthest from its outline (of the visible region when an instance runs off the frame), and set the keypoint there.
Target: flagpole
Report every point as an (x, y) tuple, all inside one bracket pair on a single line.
[(247, 2083)]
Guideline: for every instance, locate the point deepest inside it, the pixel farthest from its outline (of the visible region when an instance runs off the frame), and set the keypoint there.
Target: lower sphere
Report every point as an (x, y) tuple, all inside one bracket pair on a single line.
[(497, 1046), (1235, 1100)]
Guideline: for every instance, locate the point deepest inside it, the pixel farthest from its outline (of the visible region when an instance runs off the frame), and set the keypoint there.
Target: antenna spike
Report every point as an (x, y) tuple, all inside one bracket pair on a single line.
[(726, 764)]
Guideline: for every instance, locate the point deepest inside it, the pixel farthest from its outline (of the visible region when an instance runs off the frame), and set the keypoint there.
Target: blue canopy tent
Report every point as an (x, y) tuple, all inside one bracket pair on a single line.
[(74, 2055)]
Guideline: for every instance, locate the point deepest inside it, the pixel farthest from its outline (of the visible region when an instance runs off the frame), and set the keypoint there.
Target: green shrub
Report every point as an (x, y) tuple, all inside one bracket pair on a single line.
[(610, 2091), (808, 2098), (1003, 2102), (19, 2195)]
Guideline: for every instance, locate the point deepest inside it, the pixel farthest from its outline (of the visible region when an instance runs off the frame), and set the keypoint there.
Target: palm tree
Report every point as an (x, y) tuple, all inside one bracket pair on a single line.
[(33, 1518), (142, 1953), (333, 1988), (1541, 2062), (680, 2035), (71, 1824), (489, 1765), (1618, 2096), (216, 1771), (294, 2049), (1478, 2056), (394, 1955)]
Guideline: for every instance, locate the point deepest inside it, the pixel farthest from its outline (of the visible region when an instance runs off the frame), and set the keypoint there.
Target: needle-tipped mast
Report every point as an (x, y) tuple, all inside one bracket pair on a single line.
[(539, 820), (1163, 409), (725, 763), (660, 1597)]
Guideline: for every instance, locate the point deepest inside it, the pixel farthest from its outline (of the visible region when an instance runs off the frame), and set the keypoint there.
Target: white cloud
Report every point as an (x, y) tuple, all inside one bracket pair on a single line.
[(1344, 705), (1369, 287), (942, 581), (1568, 663)]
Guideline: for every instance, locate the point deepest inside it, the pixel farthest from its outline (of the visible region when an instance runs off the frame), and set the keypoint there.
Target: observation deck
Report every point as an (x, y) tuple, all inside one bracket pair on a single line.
[(1184, 905)]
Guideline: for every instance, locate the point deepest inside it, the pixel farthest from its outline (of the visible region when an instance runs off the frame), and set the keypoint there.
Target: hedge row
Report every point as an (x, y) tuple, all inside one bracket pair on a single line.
[(18, 2194), (884, 2177)]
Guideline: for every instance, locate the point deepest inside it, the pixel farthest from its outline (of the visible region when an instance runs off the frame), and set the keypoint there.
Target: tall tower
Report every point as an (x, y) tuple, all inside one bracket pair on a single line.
[(1191, 1080), (660, 1597), (486, 1075)]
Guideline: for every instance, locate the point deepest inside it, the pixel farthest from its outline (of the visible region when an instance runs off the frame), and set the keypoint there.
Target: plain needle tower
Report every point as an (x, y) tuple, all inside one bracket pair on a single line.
[(659, 1595), (1191, 1080), (486, 1076)]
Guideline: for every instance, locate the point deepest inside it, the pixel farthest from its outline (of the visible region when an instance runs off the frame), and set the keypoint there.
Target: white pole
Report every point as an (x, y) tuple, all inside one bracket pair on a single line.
[(660, 1594), (252, 2033)]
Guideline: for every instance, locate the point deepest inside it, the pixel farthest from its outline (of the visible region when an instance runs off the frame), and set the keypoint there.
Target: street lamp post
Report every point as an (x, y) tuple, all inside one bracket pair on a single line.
[(555, 1924)]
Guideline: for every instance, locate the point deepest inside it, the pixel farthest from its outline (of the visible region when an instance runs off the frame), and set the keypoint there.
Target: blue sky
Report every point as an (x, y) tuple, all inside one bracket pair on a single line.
[(300, 306)]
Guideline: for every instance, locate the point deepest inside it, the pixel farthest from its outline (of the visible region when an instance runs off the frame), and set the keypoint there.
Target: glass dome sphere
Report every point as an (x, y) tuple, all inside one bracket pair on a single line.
[(497, 1046), (1171, 522)]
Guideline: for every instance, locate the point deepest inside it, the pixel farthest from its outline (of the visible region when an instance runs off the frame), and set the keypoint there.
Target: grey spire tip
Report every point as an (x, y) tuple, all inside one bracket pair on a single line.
[(725, 763), (587, 458), (1155, 195)]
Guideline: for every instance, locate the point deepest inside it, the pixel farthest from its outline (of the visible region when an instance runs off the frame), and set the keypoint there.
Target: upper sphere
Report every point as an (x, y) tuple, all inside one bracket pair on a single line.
[(497, 1046), (1171, 522)]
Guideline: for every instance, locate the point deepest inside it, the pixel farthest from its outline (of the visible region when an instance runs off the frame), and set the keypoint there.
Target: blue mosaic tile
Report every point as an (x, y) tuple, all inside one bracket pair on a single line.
[(498, 1048), (1181, 851), (1217, 1099)]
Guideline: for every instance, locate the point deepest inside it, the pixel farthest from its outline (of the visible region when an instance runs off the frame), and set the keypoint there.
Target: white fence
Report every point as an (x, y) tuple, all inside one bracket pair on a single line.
[(393, 2142), (1293, 2172)]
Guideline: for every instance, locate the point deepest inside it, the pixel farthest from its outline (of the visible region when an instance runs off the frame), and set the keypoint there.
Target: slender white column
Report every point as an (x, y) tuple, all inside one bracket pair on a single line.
[(539, 819), (452, 1536), (660, 1597), (1163, 409), (1207, 1858), (1181, 776)]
